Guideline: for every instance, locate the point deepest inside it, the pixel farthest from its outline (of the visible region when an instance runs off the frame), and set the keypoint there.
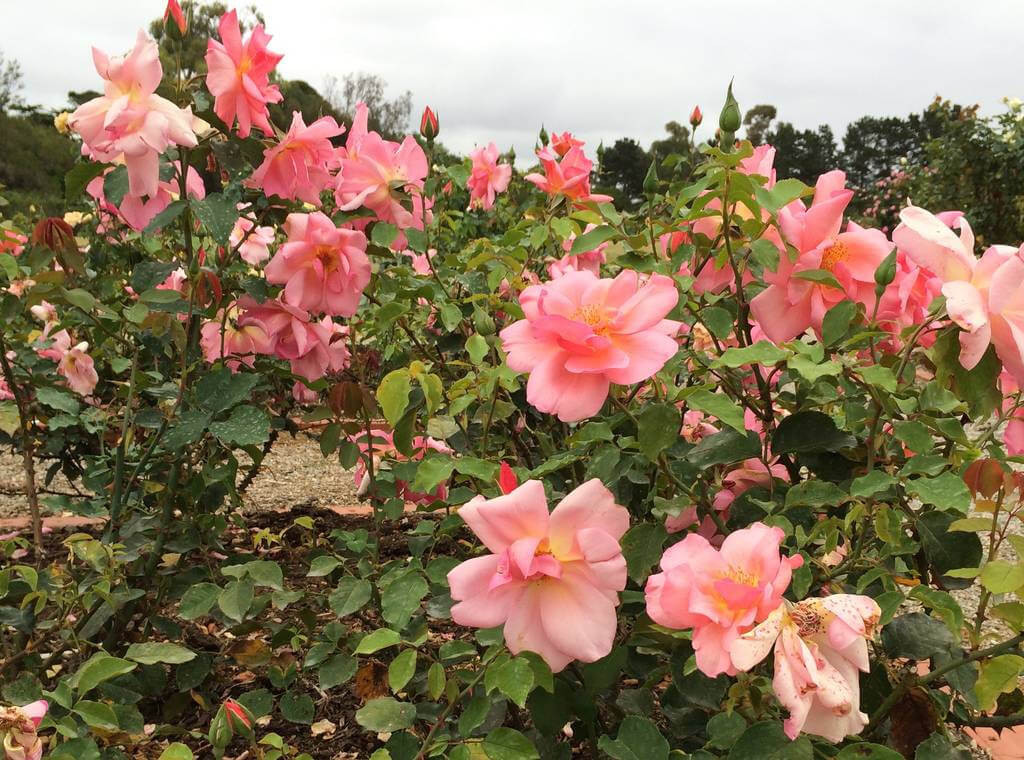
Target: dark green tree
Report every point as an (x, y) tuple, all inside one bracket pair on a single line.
[(622, 171), (678, 141), (757, 121), (803, 154)]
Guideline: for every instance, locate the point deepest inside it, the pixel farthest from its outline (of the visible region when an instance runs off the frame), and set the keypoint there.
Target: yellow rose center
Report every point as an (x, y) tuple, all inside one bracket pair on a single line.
[(834, 254)]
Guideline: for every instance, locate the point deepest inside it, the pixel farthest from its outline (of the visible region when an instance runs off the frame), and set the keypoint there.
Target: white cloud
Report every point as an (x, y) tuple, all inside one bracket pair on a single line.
[(601, 68)]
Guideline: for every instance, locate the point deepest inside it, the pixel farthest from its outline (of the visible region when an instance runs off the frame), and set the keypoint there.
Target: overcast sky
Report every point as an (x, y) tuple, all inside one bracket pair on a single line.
[(600, 68)]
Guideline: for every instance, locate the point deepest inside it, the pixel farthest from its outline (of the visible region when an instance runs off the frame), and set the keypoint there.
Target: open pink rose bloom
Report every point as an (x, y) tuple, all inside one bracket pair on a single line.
[(551, 579)]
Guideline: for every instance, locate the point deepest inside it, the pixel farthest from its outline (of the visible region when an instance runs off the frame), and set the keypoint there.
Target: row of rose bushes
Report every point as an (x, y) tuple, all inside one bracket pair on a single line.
[(693, 380)]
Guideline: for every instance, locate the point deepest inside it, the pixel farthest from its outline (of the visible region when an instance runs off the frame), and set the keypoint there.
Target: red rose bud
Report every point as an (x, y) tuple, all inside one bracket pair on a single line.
[(428, 124), (174, 11), (696, 117), (54, 233), (984, 477), (239, 719), (507, 480)]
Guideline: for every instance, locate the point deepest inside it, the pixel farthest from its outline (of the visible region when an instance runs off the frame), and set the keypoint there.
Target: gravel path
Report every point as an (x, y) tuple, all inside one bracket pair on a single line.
[(295, 473)]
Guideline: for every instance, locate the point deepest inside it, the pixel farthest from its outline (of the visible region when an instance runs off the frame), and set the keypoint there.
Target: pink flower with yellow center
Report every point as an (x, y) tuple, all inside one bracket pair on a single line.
[(130, 121), (820, 645), (297, 167), (792, 303), (552, 579), (239, 76), (374, 170), (720, 593), (324, 268), (582, 333)]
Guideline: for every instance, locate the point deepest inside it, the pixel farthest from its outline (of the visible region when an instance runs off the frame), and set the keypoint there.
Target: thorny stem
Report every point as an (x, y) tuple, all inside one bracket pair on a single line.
[(117, 498), (451, 706), (913, 681)]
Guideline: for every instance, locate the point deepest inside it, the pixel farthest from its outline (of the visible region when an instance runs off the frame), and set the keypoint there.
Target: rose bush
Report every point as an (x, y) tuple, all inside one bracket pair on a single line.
[(767, 434)]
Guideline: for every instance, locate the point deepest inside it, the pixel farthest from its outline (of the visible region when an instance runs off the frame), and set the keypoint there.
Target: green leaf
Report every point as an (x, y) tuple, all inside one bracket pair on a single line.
[(401, 599), (514, 679), (480, 469), (725, 447), (83, 299), (977, 386), (297, 707), (947, 491), (176, 751), (914, 434), (947, 550), (401, 670), (323, 565), (115, 185), (942, 604), (55, 398), (1002, 577), (589, 241), (165, 217), (724, 729), (236, 599), (638, 739), (218, 215), (97, 715), (222, 389), (435, 680), (997, 675), (148, 274), (350, 595), (761, 352), (152, 652), (812, 371), (386, 714), (382, 638), (433, 390), (477, 348), (868, 751), (473, 715), (872, 484), (97, 669), (784, 192), (393, 394), (508, 744), (10, 421), (879, 377), (916, 636), (836, 322), (266, 573), (718, 320), (189, 427), (641, 546), (815, 493), (431, 471), (198, 600), (80, 175), (383, 234), (657, 429), (247, 426), (336, 671), (809, 431), (938, 747), (718, 405), (819, 276), (767, 741)]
